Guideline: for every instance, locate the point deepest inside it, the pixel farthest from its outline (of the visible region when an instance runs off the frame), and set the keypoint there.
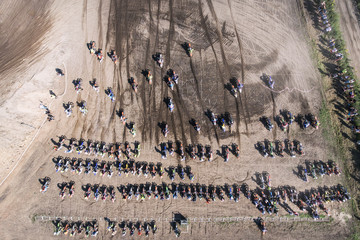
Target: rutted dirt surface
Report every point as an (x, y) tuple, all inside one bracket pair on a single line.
[(242, 39)]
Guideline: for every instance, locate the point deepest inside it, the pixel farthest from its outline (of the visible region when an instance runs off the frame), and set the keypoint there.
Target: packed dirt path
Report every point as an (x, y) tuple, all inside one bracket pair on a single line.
[(350, 27), (242, 39)]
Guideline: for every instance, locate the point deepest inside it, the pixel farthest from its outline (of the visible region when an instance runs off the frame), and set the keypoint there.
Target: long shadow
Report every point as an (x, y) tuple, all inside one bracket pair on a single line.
[(311, 8)]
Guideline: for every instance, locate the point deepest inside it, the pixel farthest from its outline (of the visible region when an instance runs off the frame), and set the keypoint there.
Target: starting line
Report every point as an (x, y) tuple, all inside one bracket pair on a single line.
[(190, 220)]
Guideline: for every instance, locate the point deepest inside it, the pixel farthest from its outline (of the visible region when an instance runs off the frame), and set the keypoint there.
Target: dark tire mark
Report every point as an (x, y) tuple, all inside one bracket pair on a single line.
[(238, 123), (143, 94), (168, 61), (84, 16), (202, 107), (203, 23), (152, 108), (220, 36), (242, 64), (274, 114)]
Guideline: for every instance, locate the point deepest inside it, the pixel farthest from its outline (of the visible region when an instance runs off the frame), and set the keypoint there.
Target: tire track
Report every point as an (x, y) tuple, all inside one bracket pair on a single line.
[(118, 46), (198, 91), (177, 102), (212, 126), (203, 24), (219, 34), (143, 93), (274, 114), (242, 64), (84, 17), (152, 108), (168, 62)]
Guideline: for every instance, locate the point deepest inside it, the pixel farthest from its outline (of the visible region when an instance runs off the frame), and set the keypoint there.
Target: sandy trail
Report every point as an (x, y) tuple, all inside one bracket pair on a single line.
[(242, 39)]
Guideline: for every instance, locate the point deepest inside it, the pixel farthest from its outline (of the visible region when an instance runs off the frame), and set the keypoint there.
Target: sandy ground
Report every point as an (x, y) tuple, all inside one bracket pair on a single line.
[(243, 39)]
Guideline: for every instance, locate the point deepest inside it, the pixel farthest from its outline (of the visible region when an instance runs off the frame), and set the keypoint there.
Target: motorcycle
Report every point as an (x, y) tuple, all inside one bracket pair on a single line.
[(133, 130), (45, 185), (134, 85), (163, 151), (174, 77), (170, 105), (158, 57), (213, 119), (58, 165), (172, 173), (96, 193), (270, 149), (182, 173), (261, 147), (62, 193), (267, 181), (188, 49), (291, 149), (305, 178), (170, 83), (290, 117), (104, 194), (233, 91), (147, 230), (171, 148), (271, 82), (197, 127), (110, 94), (314, 122), (262, 225), (148, 76), (113, 56), (82, 108), (299, 148), (77, 83), (236, 150), (239, 86), (262, 182), (304, 122), (222, 123), (269, 125), (280, 149), (165, 130), (201, 152), (229, 119), (122, 117), (283, 123), (227, 153), (176, 192), (95, 167), (181, 152), (209, 153), (99, 55), (71, 189), (313, 171), (88, 193), (68, 110), (92, 47), (161, 172), (192, 151), (137, 150)]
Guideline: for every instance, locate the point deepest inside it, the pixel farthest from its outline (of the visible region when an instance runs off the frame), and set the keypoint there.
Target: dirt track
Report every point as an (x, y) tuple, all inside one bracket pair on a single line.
[(242, 39)]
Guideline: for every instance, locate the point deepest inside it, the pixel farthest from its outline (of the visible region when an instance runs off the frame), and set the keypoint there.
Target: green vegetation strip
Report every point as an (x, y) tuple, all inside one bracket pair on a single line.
[(336, 34)]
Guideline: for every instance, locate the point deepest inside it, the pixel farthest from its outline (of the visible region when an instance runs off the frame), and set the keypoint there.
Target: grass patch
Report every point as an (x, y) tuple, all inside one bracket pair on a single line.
[(332, 132)]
